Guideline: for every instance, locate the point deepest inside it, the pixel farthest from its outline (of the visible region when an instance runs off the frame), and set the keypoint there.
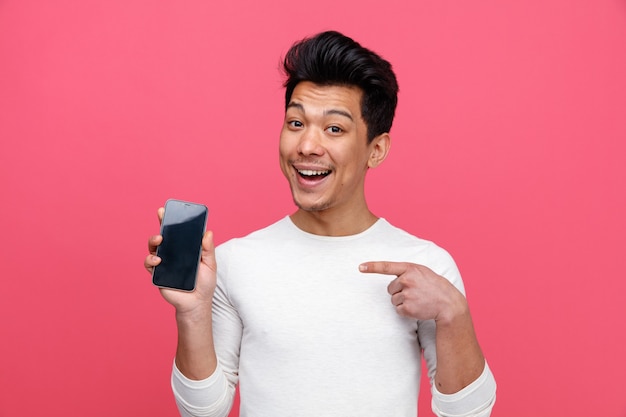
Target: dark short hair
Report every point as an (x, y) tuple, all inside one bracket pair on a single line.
[(331, 58)]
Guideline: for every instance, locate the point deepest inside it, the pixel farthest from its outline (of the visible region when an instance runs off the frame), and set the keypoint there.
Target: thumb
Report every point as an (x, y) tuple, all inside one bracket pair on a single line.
[(208, 250)]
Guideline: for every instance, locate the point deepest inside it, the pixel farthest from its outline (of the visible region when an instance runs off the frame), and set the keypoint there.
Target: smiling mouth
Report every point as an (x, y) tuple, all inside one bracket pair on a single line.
[(311, 174)]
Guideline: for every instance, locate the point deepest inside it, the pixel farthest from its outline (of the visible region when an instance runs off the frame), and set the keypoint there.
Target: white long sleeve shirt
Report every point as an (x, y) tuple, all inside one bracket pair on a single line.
[(304, 333)]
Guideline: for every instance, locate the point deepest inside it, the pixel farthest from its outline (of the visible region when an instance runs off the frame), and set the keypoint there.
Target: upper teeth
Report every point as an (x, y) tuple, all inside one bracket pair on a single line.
[(311, 172)]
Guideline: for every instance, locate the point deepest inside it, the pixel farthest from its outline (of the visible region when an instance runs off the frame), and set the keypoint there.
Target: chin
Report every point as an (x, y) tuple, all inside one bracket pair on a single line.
[(312, 207)]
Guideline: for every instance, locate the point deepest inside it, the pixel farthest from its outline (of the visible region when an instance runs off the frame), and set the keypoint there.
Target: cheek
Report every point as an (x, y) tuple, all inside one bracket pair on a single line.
[(353, 159), (283, 159), (286, 145)]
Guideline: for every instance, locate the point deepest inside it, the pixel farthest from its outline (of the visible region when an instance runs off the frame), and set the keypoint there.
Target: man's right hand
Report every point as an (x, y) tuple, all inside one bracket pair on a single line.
[(202, 296)]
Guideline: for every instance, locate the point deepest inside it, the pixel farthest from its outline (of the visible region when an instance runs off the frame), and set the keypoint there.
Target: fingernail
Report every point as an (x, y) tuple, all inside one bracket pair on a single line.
[(362, 267)]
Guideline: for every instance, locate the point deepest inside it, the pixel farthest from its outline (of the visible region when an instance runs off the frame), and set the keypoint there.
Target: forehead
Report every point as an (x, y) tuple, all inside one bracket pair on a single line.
[(310, 96)]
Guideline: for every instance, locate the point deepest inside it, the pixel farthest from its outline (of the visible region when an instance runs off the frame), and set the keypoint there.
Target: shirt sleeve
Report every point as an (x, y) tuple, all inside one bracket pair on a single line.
[(475, 400), (210, 397)]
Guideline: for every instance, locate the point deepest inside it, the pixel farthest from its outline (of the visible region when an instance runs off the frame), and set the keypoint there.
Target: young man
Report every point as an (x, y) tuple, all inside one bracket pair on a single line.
[(327, 311)]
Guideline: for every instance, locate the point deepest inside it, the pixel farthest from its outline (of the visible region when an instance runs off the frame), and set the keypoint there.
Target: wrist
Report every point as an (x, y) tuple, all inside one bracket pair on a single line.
[(455, 310), (197, 315)]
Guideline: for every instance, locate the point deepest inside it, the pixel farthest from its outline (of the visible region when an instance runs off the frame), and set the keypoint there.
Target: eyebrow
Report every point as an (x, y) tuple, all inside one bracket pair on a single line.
[(326, 112)]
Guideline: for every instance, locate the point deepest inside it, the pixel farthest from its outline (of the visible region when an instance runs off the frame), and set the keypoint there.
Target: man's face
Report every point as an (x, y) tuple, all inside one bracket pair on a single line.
[(323, 147)]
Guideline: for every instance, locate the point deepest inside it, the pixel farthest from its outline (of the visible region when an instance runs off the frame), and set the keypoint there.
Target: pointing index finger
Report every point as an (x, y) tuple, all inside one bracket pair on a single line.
[(384, 267)]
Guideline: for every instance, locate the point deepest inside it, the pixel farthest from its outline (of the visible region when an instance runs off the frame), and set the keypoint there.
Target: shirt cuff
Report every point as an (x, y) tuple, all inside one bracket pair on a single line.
[(475, 400), (201, 397)]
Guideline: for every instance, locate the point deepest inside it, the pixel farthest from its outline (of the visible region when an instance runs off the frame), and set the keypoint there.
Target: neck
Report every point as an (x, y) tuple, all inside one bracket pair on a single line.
[(326, 223)]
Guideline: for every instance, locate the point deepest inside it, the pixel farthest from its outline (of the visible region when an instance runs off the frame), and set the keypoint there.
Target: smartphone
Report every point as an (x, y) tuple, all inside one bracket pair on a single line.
[(182, 228)]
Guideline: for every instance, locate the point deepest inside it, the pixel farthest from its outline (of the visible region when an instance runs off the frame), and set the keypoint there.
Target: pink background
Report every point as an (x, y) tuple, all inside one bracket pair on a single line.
[(508, 150)]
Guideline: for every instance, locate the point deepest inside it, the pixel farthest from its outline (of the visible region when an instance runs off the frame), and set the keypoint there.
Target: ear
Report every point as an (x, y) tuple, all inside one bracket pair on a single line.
[(379, 148)]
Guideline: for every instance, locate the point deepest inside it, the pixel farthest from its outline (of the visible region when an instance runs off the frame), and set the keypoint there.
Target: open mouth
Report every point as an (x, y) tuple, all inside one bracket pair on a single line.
[(311, 174)]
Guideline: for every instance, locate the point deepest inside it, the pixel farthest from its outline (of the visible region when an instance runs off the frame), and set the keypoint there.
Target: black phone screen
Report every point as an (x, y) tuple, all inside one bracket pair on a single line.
[(182, 229)]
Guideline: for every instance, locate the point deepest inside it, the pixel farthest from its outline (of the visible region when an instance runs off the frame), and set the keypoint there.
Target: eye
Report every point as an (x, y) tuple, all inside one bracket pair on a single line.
[(334, 129), (295, 124)]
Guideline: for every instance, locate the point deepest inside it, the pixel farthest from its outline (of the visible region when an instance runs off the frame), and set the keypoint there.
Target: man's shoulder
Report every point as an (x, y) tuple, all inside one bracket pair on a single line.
[(402, 238), (402, 235)]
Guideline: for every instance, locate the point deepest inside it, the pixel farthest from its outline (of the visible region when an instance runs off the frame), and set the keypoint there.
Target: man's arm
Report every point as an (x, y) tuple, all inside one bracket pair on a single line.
[(419, 293), (460, 360), (196, 359), (195, 351)]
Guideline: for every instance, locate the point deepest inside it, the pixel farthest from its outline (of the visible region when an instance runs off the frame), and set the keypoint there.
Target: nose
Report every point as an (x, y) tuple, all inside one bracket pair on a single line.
[(310, 142)]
